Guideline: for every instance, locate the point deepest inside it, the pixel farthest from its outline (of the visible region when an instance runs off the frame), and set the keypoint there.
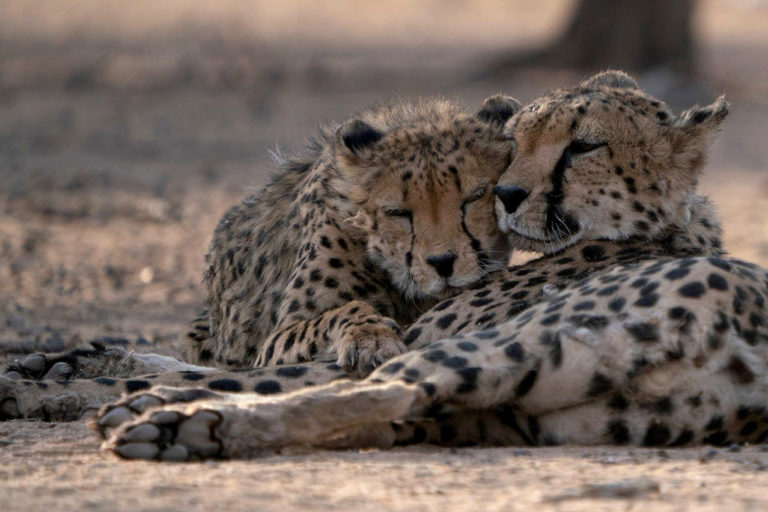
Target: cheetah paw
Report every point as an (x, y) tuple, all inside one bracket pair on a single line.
[(74, 364), (367, 347), (168, 435), (127, 409)]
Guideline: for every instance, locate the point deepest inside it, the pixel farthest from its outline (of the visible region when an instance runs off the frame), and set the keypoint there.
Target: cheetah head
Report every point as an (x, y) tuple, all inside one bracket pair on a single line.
[(602, 160), (421, 178)]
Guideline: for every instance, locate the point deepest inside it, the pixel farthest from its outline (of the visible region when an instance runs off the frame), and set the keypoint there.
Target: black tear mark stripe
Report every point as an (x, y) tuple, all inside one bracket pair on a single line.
[(409, 254), (455, 174), (556, 195), (476, 245)]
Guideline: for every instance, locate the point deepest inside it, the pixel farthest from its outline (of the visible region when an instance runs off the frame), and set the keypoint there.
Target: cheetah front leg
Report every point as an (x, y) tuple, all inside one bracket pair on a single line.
[(356, 335)]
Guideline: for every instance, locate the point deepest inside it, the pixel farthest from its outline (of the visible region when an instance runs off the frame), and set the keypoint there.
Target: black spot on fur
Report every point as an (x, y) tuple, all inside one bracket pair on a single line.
[(192, 376), (136, 385), (740, 371), (715, 423), (445, 321), (392, 368), (412, 335), (617, 304), (692, 290), (685, 437), (599, 384), (549, 320), (468, 379), (643, 331), (647, 301), (552, 341), (657, 435), (619, 432), (225, 385), (717, 282), (268, 387), (455, 362), (584, 305), (428, 388), (434, 356), (292, 372), (515, 352), (528, 381), (105, 381), (663, 406), (618, 402), (677, 273)]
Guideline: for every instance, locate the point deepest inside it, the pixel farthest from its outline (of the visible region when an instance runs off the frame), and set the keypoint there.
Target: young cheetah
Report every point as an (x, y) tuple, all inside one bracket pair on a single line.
[(663, 352)]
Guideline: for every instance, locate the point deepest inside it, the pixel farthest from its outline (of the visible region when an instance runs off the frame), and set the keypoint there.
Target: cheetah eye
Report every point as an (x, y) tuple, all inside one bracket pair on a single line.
[(477, 194), (397, 212), (580, 147)]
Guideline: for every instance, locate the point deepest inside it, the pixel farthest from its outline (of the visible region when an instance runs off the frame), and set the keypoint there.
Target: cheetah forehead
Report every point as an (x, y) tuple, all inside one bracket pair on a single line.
[(561, 113)]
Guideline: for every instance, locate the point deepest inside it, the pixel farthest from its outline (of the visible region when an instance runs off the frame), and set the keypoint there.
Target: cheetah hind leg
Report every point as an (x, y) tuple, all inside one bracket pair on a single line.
[(98, 361)]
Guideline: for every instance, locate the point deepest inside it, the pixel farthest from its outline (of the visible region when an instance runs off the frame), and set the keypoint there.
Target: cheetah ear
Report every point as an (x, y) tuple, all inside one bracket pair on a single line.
[(610, 78), (355, 139), (498, 109), (692, 133), (704, 118)]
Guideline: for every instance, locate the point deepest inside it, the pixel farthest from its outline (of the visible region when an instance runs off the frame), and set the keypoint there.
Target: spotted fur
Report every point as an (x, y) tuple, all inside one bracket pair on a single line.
[(663, 352), (694, 230), (386, 214)]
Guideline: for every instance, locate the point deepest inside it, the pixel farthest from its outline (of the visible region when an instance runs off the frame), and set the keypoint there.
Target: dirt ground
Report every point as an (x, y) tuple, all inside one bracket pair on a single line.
[(126, 129)]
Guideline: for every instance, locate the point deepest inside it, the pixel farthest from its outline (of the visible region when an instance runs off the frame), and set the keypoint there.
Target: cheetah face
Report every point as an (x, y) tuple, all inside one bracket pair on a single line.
[(425, 196), (602, 160)]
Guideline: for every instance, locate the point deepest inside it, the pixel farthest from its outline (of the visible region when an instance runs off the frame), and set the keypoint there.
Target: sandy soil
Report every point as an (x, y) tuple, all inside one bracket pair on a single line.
[(123, 137)]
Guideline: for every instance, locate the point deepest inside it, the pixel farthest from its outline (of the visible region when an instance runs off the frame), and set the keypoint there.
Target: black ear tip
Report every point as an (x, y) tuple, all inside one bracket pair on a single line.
[(498, 109), (358, 134), (714, 113)]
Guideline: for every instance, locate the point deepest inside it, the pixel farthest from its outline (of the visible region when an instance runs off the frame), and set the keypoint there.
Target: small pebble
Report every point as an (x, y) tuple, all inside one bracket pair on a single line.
[(735, 448)]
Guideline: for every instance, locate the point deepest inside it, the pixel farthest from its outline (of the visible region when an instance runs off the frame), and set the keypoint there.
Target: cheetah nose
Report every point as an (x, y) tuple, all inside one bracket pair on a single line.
[(443, 263), (510, 196)]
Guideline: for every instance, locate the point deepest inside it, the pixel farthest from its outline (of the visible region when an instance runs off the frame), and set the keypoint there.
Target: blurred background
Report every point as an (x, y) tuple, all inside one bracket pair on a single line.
[(127, 128)]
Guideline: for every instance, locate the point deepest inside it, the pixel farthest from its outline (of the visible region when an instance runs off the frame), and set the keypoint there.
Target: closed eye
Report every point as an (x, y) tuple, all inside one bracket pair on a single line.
[(397, 212), (476, 194), (580, 147)]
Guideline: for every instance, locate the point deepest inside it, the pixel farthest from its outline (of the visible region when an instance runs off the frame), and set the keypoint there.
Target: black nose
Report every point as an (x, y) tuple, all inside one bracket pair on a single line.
[(511, 196), (443, 263)]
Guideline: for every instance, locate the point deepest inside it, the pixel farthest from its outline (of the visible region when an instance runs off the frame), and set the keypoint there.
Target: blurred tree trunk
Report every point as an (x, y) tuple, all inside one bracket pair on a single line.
[(634, 35)]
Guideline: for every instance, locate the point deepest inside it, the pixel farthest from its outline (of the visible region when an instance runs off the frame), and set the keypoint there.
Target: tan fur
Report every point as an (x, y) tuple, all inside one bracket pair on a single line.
[(637, 180), (664, 352), (335, 253)]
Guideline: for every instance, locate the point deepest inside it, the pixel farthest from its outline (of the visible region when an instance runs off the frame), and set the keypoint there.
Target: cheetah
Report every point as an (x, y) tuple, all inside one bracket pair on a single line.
[(383, 217), (693, 230), (657, 352)]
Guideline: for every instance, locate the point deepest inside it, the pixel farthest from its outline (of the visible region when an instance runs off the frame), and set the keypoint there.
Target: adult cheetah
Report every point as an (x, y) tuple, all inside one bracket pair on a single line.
[(664, 352)]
